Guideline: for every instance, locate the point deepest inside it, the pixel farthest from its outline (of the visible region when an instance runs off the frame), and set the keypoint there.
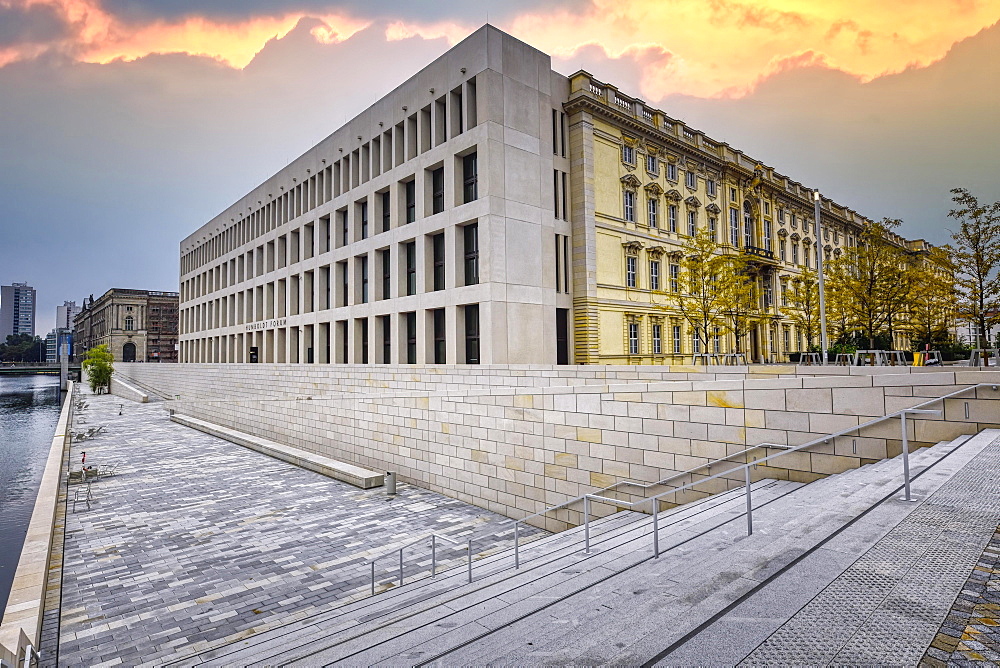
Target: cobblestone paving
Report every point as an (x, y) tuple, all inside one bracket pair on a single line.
[(970, 636), (886, 608), (197, 542)]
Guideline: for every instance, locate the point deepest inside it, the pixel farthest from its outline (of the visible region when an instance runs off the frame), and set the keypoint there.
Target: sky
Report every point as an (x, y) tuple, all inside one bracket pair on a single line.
[(127, 124)]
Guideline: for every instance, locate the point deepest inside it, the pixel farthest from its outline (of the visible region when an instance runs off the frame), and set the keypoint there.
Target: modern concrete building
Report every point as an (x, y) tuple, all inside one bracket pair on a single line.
[(17, 310), (136, 325), (490, 210), (65, 315)]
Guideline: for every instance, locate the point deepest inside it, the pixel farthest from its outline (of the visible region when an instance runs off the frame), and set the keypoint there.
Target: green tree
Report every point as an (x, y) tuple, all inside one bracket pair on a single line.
[(741, 307), (932, 298), (976, 257), (99, 365), (22, 348)]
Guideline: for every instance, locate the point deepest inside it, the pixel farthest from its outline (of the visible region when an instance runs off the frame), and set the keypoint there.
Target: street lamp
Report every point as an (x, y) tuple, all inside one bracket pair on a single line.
[(819, 268)]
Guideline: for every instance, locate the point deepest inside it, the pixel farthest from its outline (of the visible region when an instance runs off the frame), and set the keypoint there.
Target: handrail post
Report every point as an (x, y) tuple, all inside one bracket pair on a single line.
[(586, 524), (656, 527), (470, 561), (373, 578), (433, 555), (746, 471), (906, 457), (517, 554)]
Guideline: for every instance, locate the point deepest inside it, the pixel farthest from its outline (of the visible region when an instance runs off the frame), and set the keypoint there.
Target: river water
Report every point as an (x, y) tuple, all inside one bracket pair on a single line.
[(29, 412)]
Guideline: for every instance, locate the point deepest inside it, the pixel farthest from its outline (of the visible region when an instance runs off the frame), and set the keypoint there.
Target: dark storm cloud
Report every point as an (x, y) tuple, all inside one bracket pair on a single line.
[(36, 24), (473, 11)]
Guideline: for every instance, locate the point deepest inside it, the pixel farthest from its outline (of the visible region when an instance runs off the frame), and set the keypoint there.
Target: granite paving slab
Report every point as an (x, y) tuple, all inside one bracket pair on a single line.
[(197, 542)]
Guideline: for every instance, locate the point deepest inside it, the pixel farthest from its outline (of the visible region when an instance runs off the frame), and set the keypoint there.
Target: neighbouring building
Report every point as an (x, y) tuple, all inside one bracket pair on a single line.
[(490, 210), (136, 325), (56, 338), (17, 310), (65, 315)]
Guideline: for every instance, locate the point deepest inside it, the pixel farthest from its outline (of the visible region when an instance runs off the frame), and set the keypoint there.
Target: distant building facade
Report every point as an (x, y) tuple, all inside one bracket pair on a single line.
[(17, 310), (65, 315), (136, 325)]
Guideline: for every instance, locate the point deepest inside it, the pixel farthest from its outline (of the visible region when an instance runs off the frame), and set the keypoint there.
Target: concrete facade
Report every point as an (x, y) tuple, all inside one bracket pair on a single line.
[(421, 231), (17, 310)]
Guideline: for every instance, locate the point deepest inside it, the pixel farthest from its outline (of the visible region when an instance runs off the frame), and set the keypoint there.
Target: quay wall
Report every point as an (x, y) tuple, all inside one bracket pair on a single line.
[(21, 624), (516, 450)]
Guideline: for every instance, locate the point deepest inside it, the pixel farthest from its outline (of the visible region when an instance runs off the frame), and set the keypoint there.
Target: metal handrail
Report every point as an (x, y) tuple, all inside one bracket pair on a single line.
[(655, 500)]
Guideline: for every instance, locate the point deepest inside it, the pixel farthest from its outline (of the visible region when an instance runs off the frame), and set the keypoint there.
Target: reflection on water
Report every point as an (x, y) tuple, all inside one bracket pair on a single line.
[(29, 411)]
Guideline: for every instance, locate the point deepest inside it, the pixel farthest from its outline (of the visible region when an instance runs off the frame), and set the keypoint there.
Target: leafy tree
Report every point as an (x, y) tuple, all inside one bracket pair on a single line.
[(22, 348), (99, 365), (976, 256), (741, 307), (803, 304), (872, 280), (703, 278), (932, 300)]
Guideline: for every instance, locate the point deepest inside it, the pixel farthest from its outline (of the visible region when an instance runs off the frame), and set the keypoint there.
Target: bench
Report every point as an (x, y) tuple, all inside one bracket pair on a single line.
[(349, 473)]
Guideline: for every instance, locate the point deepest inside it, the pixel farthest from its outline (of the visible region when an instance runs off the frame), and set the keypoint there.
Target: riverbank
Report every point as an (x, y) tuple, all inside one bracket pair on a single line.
[(21, 624)]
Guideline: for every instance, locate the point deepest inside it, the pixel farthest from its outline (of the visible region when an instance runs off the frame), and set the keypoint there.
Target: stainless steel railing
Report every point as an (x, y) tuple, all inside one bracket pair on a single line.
[(654, 501)]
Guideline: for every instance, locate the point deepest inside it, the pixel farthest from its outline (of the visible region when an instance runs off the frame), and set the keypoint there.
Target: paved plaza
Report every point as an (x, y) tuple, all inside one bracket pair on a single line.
[(197, 542)]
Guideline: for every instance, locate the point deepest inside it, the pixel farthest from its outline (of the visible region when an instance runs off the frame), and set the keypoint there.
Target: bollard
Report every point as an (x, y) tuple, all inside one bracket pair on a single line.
[(390, 483)]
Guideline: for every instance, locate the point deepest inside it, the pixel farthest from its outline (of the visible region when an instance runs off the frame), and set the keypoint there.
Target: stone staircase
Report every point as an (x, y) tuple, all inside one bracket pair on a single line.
[(618, 604)]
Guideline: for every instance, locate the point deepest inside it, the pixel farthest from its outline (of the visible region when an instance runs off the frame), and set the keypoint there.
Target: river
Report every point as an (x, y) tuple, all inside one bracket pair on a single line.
[(29, 412)]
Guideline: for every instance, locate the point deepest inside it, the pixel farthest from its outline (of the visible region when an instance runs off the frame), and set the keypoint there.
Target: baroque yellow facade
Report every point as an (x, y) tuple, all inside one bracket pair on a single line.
[(643, 185)]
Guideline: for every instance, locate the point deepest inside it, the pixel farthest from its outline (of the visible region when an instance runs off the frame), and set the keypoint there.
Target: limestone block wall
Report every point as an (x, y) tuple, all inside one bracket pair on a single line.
[(516, 450)]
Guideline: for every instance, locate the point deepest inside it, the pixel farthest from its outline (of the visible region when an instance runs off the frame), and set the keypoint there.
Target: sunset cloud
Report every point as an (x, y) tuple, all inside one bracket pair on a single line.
[(706, 48)]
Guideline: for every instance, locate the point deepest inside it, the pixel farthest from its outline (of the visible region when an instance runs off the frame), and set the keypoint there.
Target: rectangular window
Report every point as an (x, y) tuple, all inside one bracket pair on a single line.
[(364, 340), (675, 272), (411, 268), (472, 334), (782, 251), (652, 206), (633, 338), (710, 187), (470, 234), (654, 274), (437, 187), (690, 179), (713, 225), (386, 325), (677, 339), (696, 341), (732, 194), (781, 216), (692, 223), (787, 340), (717, 341), (657, 339), (470, 178), (784, 295), (652, 165), (629, 206), (363, 270), (734, 227), (767, 235), (628, 155), (671, 171), (411, 201), (411, 337), (767, 208), (437, 244), (363, 213), (440, 341), (344, 233), (385, 260), (805, 255), (795, 253), (672, 218), (386, 211), (630, 271)]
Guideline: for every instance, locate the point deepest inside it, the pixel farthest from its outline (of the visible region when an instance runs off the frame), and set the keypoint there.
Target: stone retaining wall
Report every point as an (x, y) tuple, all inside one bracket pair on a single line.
[(516, 450), (22, 619)]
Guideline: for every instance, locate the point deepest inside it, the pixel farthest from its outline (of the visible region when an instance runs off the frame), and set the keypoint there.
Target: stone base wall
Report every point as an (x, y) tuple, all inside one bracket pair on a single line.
[(517, 450)]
